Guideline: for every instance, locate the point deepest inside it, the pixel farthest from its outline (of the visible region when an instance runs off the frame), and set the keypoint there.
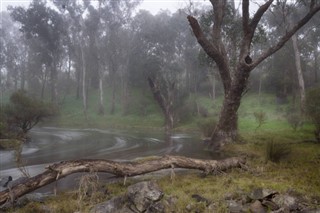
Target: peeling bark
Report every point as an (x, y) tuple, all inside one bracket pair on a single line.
[(60, 170)]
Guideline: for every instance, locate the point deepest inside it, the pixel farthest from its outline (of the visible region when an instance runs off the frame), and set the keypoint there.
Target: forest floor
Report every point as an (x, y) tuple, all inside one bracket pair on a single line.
[(278, 158)]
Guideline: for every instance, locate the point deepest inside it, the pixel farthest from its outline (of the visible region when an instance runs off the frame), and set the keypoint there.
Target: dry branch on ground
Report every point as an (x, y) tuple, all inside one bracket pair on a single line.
[(62, 169)]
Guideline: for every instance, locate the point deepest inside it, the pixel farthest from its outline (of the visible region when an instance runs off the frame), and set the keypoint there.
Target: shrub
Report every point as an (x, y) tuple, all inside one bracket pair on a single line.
[(24, 112), (294, 120), (313, 109), (183, 114), (3, 125), (275, 152), (207, 126), (261, 118)]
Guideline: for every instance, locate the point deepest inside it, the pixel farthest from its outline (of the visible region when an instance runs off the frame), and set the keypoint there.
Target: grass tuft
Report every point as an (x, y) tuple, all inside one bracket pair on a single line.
[(275, 152)]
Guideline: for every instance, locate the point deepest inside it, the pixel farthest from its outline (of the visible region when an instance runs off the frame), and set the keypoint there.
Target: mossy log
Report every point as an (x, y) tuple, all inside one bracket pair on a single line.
[(62, 169)]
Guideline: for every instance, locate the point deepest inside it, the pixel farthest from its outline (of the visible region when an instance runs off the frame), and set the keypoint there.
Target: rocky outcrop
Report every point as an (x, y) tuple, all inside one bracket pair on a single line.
[(265, 200), (141, 197)]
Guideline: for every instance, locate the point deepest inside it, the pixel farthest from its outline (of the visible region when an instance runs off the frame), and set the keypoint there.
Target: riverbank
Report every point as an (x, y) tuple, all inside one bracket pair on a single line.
[(291, 166)]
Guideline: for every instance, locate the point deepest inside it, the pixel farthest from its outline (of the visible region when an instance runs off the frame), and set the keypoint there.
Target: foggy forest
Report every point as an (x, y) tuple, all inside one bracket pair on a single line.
[(210, 107)]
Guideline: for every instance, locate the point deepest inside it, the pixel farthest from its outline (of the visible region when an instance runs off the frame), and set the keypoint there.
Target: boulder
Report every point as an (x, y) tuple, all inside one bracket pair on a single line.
[(114, 205), (286, 201), (142, 196), (270, 205), (234, 207), (257, 207), (260, 194)]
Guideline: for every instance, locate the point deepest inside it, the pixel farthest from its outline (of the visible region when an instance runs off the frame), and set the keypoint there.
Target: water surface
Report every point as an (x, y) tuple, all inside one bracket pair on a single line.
[(49, 145)]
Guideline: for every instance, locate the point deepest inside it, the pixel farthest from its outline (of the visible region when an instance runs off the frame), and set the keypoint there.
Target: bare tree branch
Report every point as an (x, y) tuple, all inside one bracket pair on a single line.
[(218, 15), (212, 51), (249, 28), (286, 37), (257, 16), (245, 17)]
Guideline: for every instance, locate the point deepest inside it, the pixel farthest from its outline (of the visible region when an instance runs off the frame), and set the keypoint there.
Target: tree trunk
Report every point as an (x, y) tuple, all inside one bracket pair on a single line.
[(213, 84), (101, 100), (84, 93), (43, 87), (166, 105), (299, 74), (227, 127), (78, 74), (23, 77), (54, 79), (169, 121), (315, 68), (124, 89), (113, 100), (120, 169)]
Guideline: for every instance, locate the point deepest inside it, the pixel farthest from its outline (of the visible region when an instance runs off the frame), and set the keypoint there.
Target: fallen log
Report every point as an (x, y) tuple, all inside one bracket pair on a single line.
[(62, 169)]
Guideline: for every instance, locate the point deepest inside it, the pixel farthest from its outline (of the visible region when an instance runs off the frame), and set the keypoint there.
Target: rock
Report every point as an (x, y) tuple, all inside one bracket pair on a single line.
[(257, 207), (260, 194), (33, 197), (143, 195), (155, 208), (286, 201), (170, 202), (281, 210), (114, 205), (311, 211), (234, 207), (199, 198), (270, 205)]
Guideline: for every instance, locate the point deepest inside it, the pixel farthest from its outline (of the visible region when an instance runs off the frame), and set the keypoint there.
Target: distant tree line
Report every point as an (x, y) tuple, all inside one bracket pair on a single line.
[(57, 48)]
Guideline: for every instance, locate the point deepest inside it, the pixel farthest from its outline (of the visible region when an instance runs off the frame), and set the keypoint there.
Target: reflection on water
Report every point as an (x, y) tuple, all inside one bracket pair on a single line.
[(49, 145)]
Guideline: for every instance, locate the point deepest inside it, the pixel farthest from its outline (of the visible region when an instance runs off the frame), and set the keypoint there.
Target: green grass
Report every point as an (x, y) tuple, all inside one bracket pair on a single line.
[(72, 115), (143, 112)]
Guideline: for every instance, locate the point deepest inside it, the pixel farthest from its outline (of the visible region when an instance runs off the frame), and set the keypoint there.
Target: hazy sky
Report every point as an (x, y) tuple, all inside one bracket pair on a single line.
[(153, 6)]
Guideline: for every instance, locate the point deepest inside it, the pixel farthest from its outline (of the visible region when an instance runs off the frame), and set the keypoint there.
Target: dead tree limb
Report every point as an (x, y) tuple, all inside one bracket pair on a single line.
[(60, 170)]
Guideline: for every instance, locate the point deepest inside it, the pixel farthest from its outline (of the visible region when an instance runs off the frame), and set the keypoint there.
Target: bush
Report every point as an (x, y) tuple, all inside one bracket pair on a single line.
[(275, 152), (294, 120), (207, 126), (313, 109), (261, 118), (188, 111), (24, 112)]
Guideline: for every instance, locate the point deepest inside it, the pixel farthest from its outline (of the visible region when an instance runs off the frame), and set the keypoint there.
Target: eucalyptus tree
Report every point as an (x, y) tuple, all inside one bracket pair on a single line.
[(299, 51), (13, 53), (310, 49), (235, 85), (115, 18), (74, 12), (164, 57), (46, 25)]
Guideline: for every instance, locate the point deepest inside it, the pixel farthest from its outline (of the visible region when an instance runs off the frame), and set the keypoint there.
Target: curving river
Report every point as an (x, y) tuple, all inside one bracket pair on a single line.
[(49, 145)]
